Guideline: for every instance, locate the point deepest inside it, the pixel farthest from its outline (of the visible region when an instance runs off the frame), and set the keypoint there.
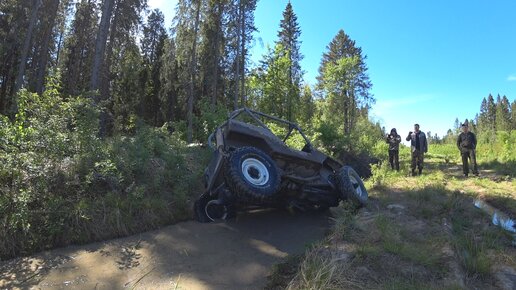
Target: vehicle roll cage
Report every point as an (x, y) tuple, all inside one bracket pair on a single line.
[(255, 116)]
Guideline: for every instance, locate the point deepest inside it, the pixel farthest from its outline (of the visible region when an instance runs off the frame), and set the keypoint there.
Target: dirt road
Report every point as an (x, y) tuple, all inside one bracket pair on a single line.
[(189, 255)]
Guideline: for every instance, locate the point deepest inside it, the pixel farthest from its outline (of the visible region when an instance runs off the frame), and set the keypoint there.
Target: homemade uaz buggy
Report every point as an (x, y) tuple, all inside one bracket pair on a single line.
[(253, 167)]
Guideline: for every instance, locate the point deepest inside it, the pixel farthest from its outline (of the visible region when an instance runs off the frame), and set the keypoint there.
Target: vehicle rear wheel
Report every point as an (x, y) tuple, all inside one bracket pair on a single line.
[(250, 173), (350, 185), (208, 209)]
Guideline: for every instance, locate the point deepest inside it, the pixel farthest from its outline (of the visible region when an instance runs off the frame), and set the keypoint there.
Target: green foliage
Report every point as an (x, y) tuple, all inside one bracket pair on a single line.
[(501, 149), (210, 117), (61, 184), (273, 91), (128, 90), (338, 81), (294, 141), (364, 137)]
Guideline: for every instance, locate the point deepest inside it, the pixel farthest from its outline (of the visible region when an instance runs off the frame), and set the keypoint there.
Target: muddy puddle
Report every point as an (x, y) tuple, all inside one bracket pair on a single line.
[(189, 255)]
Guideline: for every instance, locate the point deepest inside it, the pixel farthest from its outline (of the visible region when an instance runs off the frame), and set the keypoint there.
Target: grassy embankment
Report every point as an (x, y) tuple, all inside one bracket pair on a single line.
[(416, 233), (61, 184)]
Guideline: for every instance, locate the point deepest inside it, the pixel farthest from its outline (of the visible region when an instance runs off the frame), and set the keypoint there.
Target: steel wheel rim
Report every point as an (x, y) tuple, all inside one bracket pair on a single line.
[(255, 172)]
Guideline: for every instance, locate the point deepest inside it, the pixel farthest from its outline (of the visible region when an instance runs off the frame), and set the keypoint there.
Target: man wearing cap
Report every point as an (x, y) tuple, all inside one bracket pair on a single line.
[(419, 147), (467, 143)]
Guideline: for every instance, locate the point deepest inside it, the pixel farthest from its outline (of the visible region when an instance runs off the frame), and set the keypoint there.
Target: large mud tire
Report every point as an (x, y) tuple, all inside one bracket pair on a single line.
[(252, 175), (350, 186), (208, 209)]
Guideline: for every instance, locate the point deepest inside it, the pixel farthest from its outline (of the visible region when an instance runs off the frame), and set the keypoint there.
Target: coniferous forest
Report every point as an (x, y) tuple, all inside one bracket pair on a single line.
[(100, 99)]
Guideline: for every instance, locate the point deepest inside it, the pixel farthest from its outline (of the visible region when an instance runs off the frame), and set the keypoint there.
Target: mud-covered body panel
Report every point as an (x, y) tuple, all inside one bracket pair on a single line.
[(238, 134)]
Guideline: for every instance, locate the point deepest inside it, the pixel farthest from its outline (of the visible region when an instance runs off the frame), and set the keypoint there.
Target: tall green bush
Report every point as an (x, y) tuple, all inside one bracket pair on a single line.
[(61, 184)]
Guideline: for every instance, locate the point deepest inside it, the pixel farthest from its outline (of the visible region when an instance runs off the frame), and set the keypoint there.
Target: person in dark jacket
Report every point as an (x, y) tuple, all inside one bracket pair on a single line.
[(394, 140), (467, 144), (419, 147)]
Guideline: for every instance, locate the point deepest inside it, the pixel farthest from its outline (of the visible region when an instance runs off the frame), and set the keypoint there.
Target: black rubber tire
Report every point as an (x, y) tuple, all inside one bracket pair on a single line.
[(200, 210), (351, 186), (240, 185)]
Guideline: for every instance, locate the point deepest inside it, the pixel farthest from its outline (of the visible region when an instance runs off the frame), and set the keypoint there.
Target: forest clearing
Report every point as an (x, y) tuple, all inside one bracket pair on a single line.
[(106, 108), (419, 232)]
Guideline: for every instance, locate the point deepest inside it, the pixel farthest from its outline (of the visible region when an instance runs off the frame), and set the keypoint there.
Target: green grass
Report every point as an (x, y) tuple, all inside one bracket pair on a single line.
[(402, 244), (404, 284), (414, 247)]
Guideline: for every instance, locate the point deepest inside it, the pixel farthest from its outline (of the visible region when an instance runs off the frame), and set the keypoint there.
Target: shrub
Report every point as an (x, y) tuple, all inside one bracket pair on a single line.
[(61, 184)]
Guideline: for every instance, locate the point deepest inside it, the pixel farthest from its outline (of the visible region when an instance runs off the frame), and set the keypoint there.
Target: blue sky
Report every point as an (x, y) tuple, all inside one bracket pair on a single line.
[(429, 61)]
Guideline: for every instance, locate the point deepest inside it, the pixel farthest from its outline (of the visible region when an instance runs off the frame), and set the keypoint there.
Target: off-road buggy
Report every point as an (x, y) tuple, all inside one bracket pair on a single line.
[(252, 167)]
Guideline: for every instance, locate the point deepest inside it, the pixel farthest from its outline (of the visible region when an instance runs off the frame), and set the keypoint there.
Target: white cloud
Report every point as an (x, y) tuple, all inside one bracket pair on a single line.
[(511, 78), (385, 105)]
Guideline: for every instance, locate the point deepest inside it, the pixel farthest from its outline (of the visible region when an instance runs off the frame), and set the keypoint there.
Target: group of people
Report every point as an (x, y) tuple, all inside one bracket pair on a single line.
[(466, 143)]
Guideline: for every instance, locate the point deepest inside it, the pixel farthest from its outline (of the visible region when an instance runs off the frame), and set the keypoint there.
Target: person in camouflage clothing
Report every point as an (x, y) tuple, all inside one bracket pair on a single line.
[(467, 143), (419, 147), (394, 140)]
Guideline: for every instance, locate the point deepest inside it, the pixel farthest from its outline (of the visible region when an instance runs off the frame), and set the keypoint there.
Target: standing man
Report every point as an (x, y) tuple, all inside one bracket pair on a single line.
[(394, 141), (419, 147), (467, 143)]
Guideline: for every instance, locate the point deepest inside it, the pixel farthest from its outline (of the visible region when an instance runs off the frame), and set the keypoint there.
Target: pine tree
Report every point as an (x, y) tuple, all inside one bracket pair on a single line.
[(17, 16), (100, 45), (513, 115), (45, 39), (482, 118), (26, 46), (472, 126), (169, 83), (503, 114), (456, 126), (343, 79), (337, 84), (186, 28), (127, 88), (289, 38), (79, 49), (274, 82), (491, 114), (124, 26), (306, 110), (212, 51), (152, 45), (239, 33)]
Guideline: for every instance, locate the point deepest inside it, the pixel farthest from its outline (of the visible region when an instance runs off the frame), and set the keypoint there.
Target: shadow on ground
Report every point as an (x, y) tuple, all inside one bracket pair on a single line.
[(189, 255)]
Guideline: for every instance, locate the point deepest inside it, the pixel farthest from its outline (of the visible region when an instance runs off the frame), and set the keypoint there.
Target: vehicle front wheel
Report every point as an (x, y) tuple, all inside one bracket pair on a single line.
[(350, 185)]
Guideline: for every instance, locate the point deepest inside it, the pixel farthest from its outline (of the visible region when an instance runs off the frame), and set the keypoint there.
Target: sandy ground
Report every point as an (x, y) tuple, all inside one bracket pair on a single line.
[(189, 255)]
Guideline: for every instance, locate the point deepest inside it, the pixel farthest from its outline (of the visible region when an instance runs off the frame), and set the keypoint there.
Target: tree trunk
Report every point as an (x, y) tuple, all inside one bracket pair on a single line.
[(236, 96), (353, 111), (346, 115), (192, 74), (25, 49), (106, 70), (42, 65), (242, 55), (220, 7), (59, 46), (100, 45), (6, 70)]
